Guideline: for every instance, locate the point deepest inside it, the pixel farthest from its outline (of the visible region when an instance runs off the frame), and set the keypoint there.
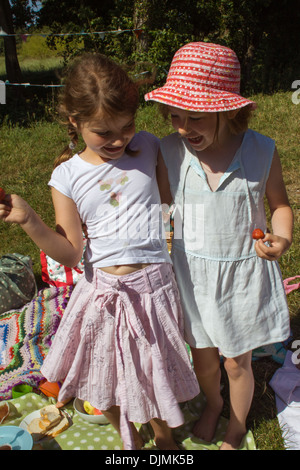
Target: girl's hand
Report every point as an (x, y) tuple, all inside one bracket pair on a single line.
[(277, 247), (65, 244), (13, 209)]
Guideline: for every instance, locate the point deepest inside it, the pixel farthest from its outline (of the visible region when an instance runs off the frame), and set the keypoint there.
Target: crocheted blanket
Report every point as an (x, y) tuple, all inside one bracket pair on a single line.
[(25, 338)]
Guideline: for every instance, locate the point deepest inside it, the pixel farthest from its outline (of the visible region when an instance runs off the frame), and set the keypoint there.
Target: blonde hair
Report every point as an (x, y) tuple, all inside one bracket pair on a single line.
[(238, 124), (94, 85)]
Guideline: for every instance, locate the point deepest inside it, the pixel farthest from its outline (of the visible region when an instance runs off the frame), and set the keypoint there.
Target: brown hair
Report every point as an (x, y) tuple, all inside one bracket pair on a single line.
[(95, 85)]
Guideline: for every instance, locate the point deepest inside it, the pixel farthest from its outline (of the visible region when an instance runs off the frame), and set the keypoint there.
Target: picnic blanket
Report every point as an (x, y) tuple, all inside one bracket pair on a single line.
[(26, 335), (82, 435)]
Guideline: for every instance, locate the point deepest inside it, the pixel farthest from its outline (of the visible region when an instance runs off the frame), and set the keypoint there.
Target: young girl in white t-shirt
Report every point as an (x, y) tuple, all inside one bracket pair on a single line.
[(120, 344)]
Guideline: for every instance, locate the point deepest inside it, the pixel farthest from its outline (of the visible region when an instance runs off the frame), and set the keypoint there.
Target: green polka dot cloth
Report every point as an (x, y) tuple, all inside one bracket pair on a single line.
[(82, 435)]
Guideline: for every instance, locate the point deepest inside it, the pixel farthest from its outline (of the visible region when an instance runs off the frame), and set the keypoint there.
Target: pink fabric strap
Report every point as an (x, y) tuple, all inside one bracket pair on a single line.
[(290, 287), (125, 313)]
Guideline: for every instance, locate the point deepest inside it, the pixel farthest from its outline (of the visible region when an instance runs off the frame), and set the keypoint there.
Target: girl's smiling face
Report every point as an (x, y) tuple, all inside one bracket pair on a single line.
[(198, 128), (106, 139)]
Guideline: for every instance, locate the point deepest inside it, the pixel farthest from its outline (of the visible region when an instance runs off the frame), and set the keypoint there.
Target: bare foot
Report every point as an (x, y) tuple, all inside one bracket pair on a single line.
[(60, 404), (138, 440), (232, 441), (205, 427), (163, 437), (166, 444)]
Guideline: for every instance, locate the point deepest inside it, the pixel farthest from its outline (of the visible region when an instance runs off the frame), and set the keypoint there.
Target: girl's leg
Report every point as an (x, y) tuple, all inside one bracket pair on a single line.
[(163, 435), (113, 416), (241, 389), (207, 369)]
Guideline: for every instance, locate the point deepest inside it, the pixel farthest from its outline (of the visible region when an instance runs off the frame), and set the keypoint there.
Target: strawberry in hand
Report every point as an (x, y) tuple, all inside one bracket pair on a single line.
[(2, 194), (14, 209), (258, 234)]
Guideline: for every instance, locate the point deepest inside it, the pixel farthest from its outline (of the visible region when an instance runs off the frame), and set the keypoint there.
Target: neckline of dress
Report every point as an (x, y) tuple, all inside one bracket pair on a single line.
[(233, 165)]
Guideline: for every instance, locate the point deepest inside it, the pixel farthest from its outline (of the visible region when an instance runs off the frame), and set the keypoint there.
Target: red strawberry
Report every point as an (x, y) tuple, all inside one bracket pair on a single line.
[(2, 194), (257, 234)]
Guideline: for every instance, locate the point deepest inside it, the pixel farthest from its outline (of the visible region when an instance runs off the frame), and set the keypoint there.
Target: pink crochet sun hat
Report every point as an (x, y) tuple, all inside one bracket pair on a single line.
[(203, 77)]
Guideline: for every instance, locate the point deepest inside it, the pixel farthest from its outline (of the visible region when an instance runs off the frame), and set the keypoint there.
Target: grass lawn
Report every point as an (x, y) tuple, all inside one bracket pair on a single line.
[(30, 139)]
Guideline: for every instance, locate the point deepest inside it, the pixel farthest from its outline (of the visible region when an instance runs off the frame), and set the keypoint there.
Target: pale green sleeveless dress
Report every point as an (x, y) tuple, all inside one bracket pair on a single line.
[(232, 299)]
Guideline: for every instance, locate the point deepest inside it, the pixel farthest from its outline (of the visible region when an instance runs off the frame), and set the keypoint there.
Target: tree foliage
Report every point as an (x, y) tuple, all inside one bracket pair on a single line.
[(264, 33)]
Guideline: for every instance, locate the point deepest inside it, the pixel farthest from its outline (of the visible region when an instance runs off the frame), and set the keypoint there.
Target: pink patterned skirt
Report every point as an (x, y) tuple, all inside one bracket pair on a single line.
[(120, 342)]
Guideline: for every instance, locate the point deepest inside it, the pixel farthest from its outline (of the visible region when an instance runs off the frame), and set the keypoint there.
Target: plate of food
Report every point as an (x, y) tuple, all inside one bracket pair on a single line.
[(46, 423), (14, 438)]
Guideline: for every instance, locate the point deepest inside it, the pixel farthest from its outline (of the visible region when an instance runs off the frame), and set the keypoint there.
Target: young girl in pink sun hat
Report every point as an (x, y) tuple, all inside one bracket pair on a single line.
[(219, 172)]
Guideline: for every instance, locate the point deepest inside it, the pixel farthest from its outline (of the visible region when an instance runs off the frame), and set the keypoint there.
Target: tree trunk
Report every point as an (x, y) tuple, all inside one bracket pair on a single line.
[(140, 21), (13, 70)]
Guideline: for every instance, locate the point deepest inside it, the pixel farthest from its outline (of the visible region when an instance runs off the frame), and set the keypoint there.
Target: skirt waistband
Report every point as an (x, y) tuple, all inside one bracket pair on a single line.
[(146, 280)]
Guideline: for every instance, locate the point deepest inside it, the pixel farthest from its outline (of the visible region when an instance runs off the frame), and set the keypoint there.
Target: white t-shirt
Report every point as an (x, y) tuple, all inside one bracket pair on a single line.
[(120, 204)]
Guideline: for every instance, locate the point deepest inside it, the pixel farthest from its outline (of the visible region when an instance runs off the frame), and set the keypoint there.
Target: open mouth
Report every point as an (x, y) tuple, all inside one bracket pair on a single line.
[(195, 141), (113, 150)]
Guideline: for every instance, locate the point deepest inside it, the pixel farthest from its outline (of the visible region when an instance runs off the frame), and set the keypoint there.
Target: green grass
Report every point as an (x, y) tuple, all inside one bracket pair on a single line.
[(31, 65), (31, 139)]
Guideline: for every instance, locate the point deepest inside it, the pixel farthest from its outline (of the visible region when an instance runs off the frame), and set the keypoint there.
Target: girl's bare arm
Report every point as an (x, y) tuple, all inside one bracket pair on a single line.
[(65, 244), (163, 180), (281, 215)]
